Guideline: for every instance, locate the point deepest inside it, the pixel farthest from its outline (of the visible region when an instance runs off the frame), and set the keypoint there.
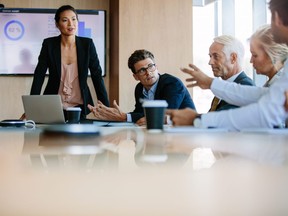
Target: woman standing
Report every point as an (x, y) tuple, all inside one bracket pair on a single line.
[(68, 58)]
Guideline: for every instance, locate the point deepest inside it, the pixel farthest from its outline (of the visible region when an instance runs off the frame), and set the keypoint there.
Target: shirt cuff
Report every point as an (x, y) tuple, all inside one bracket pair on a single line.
[(129, 117)]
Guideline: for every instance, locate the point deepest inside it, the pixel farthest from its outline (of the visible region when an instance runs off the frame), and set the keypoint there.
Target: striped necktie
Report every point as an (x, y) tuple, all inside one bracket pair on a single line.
[(214, 104)]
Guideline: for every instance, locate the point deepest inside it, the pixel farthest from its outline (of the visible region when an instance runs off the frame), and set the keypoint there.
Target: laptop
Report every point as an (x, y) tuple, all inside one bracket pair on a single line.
[(43, 109)]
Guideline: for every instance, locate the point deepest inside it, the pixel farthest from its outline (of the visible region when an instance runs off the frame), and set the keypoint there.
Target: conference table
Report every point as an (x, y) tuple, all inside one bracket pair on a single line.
[(127, 170)]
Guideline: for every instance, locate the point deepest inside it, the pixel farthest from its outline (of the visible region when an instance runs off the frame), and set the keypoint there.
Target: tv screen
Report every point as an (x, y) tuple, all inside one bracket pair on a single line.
[(22, 31)]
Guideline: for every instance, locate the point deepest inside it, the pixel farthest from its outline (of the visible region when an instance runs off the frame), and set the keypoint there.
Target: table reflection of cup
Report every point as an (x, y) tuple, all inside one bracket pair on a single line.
[(154, 111), (73, 115), (153, 152)]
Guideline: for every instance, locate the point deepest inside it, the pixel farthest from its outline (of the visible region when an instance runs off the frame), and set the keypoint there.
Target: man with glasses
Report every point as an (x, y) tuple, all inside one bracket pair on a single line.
[(261, 107), (152, 86)]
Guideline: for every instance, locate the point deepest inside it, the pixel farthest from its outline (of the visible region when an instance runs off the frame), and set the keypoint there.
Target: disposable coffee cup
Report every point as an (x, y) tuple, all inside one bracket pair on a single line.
[(73, 115), (154, 111)]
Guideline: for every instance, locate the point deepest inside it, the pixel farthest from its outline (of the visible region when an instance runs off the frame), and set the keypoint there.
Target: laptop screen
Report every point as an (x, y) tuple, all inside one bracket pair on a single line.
[(44, 109)]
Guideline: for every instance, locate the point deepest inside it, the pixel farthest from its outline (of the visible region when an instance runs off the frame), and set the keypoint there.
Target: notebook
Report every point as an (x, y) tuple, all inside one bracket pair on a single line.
[(43, 109)]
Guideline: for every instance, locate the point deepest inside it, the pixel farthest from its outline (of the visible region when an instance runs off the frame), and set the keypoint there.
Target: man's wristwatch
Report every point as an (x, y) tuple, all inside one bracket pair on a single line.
[(197, 121)]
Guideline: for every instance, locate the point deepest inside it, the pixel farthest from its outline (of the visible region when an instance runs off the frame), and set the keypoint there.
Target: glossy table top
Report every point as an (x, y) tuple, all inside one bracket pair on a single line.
[(129, 171)]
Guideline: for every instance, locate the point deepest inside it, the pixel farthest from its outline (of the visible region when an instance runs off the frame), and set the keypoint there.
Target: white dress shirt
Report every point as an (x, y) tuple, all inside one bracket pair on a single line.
[(274, 78), (230, 79), (261, 107)]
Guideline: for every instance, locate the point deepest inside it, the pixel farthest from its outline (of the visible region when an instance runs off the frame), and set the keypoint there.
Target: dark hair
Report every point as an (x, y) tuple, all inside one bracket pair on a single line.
[(137, 56), (281, 7), (62, 9)]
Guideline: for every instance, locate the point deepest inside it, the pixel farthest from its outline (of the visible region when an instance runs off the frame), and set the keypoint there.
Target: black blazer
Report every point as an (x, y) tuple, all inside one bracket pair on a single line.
[(87, 58), (169, 88), (242, 79)]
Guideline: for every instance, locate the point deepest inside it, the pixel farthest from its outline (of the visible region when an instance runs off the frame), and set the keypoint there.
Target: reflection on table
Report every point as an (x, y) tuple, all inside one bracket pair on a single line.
[(129, 171)]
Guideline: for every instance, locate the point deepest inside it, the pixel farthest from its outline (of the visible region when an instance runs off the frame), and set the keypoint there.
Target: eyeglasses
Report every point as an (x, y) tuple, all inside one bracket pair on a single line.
[(150, 68)]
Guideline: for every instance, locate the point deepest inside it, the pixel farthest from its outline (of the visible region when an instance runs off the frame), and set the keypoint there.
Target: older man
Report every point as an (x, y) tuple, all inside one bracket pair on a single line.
[(262, 107), (226, 60)]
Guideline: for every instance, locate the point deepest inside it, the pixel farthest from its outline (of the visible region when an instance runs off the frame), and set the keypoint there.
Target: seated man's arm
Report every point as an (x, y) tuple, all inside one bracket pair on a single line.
[(230, 92), (233, 93), (268, 112)]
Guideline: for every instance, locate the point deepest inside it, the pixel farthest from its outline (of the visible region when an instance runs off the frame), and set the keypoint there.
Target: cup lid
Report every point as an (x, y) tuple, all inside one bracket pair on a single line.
[(73, 109), (154, 103)]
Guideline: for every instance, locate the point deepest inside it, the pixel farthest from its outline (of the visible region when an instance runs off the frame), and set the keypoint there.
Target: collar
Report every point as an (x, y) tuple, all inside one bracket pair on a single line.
[(232, 78), (150, 94)]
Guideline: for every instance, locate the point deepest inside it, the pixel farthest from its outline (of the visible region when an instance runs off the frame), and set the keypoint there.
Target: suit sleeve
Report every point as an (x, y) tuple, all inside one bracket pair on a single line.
[(173, 91), (40, 70), (267, 110), (96, 75), (236, 94), (138, 110)]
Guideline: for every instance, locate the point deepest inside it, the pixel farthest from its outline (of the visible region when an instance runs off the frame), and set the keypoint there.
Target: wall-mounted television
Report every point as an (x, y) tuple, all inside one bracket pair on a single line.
[(22, 31)]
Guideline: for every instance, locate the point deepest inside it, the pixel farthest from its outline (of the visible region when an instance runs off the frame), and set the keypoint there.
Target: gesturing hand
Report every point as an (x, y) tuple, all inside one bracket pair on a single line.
[(198, 78), (182, 117), (102, 112)]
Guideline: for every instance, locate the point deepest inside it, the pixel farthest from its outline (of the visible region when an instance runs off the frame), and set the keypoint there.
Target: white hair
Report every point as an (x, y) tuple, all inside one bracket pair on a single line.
[(231, 45)]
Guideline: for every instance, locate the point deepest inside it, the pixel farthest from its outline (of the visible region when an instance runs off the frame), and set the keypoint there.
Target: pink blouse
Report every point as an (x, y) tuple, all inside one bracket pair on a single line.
[(69, 89)]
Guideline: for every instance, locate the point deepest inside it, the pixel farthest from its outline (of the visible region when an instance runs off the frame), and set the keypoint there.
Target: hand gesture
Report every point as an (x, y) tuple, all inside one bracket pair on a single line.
[(182, 117), (102, 112), (198, 78)]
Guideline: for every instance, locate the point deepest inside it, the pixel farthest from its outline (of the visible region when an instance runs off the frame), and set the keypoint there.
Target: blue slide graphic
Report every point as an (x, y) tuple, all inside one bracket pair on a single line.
[(82, 31), (14, 30)]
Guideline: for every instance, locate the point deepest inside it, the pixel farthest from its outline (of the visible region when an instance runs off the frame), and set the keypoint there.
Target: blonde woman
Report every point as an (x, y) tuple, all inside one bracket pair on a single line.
[(267, 56)]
